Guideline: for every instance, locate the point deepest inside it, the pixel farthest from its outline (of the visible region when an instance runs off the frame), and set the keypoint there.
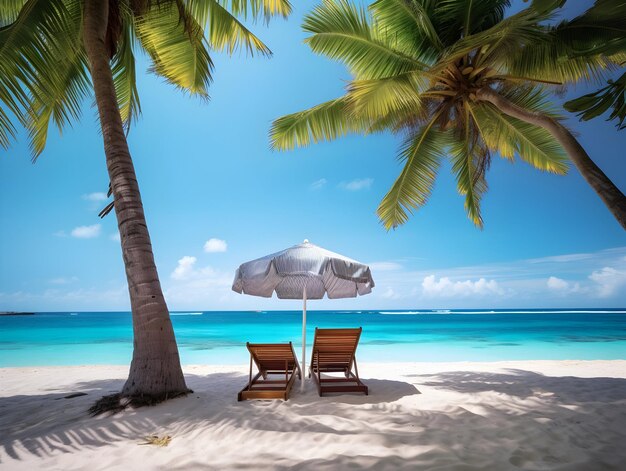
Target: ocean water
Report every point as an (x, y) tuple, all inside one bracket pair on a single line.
[(82, 338)]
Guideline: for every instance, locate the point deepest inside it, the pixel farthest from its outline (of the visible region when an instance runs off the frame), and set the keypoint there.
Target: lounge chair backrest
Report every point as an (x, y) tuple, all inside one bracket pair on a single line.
[(335, 346), (272, 356)]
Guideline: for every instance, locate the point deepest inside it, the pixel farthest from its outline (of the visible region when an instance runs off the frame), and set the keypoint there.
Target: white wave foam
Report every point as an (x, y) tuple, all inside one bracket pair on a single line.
[(448, 311), (403, 312), (538, 312)]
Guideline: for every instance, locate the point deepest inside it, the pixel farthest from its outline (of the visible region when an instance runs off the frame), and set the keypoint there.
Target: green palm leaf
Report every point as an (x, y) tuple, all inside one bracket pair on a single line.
[(42, 69), (125, 78), (381, 98), (342, 31), (421, 154), (599, 30), (581, 48), (9, 11), (179, 52), (407, 25), (469, 162), (66, 90), (498, 42), (465, 17), (256, 8), (510, 136), (7, 130), (549, 59), (225, 32), (323, 122), (31, 34), (595, 104)]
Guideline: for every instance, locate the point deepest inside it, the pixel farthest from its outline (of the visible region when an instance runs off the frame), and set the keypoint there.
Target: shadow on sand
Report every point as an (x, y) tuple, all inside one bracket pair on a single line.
[(537, 421), (45, 424)]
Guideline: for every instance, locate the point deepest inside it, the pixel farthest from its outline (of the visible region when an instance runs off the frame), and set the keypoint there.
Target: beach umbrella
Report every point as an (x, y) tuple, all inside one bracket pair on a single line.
[(304, 271)]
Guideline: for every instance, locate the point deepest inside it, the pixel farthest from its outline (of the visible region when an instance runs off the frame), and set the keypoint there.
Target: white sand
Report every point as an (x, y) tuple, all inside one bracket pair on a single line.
[(535, 415)]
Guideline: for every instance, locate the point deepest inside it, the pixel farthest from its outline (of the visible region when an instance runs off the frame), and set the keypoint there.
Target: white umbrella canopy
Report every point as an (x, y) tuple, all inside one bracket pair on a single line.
[(304, 271)]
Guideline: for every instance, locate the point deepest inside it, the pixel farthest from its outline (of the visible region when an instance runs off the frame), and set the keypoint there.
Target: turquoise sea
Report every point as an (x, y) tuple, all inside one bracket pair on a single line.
[(81, 338)]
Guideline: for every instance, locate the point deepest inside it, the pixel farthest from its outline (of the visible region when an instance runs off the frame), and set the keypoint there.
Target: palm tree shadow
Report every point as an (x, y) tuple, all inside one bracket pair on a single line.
[(523, 384), (45, 424)]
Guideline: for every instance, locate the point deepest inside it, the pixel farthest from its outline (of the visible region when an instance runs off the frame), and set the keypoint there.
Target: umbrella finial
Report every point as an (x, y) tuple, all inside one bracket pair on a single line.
[(306, 241)]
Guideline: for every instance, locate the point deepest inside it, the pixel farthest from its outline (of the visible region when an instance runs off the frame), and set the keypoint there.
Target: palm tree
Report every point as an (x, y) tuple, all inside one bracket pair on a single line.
[(456, 78), (54, 53)]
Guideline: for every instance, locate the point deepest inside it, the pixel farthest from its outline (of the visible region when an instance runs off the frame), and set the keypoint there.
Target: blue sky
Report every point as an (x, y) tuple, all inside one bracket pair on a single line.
[(206, 172)]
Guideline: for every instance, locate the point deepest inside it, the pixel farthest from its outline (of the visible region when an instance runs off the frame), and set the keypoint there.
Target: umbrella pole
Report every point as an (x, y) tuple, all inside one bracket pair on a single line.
[(303, 339)]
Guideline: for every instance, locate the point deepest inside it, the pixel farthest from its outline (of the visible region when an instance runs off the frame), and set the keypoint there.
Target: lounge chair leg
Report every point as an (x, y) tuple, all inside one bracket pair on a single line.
[(250, 375)]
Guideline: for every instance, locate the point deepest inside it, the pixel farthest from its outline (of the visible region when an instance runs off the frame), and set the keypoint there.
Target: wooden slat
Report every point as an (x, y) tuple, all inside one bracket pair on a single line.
[(334, 352), (271, 359)]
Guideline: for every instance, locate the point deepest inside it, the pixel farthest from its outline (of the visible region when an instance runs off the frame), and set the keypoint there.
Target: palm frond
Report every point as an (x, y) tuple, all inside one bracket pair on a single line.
[(27, 46), (510, 136), (323, 122), (179, 52), (225, 32), (499, 41), (256, 8), (581, 48), (461, 18), (43, 73), (9, 10), (421, 153), (125, 78), (407, 26), (549, 59), (341, 31), (468, 164), (62, 90), (599, 30), (595, 104), (66, 90), (7, 129), (380, 98)]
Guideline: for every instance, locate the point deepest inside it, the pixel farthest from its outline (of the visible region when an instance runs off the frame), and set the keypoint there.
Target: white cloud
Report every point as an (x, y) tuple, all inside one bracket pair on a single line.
[(113, 297), (356, 185), (197, 288), (557, 284), (97, 196), (562, 287), (215, 245), (444, 287), (609, 281), (507, 284), (86, 232), (115, 237), (567, 258), (184, 269), (385, 266), (59, 234), (63, 280), (318, 184), (390, 293)]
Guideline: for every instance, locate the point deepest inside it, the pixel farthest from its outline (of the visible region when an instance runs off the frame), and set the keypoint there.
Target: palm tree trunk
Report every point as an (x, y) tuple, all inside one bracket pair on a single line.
[(612, 197), (155, 371)]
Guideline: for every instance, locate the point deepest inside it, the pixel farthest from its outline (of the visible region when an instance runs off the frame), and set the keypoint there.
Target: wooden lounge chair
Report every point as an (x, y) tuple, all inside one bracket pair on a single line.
[(276, 359), (334, 352)]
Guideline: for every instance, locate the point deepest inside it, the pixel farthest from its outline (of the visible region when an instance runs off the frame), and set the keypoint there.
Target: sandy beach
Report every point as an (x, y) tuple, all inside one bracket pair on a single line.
[(533, 415)]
